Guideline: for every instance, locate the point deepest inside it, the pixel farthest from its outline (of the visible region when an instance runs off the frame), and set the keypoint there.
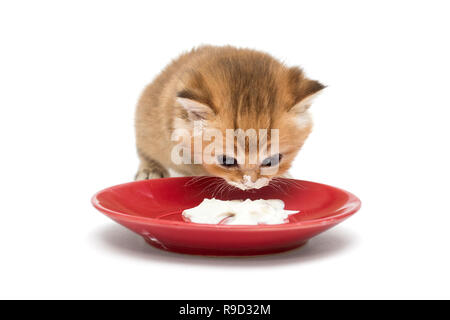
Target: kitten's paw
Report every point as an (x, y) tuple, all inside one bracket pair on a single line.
[(145, 174)]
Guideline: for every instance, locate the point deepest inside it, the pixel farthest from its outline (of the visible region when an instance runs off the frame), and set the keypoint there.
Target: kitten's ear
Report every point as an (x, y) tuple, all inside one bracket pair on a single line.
[(305, 103), (304, 89), (195, 110)]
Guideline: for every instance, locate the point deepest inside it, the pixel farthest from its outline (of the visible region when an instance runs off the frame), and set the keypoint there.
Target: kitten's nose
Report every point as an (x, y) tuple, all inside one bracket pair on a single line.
[(252, 182), (249, 179)]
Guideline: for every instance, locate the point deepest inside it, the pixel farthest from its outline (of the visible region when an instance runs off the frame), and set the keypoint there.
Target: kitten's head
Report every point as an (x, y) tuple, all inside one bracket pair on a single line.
[(245, 89)]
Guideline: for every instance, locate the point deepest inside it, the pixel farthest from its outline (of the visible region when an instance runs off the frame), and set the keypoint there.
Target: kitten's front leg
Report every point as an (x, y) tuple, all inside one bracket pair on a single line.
[(150, 169)]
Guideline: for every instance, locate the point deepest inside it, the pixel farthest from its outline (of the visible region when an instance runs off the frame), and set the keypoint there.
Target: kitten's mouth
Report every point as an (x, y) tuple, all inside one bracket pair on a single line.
[(250, 185), (237, 185)]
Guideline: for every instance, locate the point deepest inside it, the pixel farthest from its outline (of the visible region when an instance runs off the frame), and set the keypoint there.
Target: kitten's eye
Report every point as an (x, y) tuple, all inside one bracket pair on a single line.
[(272, 161), (227, 162)]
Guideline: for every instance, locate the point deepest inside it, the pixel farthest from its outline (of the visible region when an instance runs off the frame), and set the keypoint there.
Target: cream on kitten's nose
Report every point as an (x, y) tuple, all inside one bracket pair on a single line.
[(249, 183), (259, 183)]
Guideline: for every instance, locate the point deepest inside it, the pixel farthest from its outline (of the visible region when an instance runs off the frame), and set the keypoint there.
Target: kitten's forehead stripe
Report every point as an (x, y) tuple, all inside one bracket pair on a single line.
[(247, 84)]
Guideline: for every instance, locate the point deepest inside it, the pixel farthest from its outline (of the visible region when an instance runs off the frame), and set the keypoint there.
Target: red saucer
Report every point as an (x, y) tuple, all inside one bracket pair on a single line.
[(152, 209)]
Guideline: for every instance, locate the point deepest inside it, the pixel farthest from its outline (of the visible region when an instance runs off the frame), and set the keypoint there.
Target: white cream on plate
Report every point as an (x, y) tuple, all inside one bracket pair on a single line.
[(239, 212)]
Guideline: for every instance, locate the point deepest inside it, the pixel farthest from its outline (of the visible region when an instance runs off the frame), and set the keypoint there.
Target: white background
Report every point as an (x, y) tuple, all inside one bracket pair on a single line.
[(70, 76)]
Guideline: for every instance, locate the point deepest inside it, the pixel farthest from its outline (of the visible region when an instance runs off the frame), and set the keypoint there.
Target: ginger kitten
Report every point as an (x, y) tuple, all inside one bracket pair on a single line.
[(224, 88)]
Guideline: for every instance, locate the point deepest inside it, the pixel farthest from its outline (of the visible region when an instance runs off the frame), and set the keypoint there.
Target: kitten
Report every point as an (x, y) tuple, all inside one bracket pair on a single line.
[(224, 88)]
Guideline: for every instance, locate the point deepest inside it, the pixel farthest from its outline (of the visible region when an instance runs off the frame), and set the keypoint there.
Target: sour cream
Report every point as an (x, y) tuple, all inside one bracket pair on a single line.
[(239, 212)]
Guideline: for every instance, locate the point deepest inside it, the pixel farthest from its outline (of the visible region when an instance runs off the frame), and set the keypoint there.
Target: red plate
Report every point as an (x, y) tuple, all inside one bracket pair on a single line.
[(152, 208)]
